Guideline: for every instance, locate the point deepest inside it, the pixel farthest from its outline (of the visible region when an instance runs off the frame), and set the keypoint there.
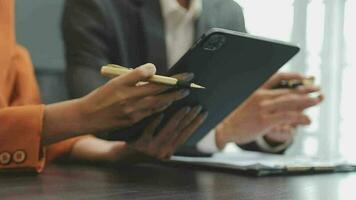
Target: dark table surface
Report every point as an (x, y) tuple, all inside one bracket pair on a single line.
[(162, 182)]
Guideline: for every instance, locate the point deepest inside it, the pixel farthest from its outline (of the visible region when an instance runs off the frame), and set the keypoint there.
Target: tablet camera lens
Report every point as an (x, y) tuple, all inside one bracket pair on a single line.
[(214, 42)]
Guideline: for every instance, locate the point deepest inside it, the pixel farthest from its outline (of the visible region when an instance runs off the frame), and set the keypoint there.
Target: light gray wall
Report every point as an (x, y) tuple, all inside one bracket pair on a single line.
[(38, 29)]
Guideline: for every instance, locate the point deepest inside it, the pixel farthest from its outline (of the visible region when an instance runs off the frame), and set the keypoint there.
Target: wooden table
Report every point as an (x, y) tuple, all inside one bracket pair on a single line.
[(161, 182)]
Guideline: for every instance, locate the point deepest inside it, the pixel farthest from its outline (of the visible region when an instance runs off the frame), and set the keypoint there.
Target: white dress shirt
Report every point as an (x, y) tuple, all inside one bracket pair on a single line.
[(179, 24)]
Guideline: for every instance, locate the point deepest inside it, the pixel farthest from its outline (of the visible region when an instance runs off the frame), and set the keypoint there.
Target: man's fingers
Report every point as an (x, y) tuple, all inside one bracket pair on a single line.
[(289, 117), (307, 89), (275, 93), (271, 94), (278, 77), (287, 129), (290, 102)]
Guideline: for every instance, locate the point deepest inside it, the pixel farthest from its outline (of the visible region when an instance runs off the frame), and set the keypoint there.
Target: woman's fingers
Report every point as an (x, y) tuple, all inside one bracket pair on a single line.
[(154, 102), (169, 129), (189, 130), (149, 89), (142, 73), (184, 76), (154, 89), (163, 144), (140, 109), (137, 75), (184, 123), (189, 117), (170, 145), (150, 130)]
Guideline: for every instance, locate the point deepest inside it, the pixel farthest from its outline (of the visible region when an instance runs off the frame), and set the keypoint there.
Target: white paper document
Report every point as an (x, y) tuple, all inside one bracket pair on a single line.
[(260, 164)]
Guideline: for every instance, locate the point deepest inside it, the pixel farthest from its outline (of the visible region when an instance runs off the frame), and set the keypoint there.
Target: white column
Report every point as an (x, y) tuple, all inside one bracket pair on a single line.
[(299, 34), (332, 66), (299, 63)]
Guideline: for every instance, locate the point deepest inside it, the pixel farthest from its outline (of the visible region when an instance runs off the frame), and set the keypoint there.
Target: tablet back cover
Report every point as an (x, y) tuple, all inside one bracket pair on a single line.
[(231, 66)]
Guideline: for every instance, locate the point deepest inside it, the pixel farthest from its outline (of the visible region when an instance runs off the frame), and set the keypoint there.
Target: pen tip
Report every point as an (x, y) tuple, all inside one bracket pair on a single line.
[(193, 85)]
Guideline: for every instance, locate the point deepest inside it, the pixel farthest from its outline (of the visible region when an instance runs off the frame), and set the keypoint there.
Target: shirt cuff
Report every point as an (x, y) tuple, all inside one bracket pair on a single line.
[(208, 143), (264, 146)]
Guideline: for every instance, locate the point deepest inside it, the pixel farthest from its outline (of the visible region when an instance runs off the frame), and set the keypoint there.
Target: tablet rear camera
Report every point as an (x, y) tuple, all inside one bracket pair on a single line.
[(214, 42)]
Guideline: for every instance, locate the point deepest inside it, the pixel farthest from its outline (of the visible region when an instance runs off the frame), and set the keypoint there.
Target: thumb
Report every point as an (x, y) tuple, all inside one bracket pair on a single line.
[(142, 73)]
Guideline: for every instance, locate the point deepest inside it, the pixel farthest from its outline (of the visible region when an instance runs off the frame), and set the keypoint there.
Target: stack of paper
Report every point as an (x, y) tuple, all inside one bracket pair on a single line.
[(261, 164)]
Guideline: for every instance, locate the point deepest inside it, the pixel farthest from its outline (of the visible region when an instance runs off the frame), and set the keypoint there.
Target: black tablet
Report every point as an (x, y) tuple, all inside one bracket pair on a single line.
[(231, 65)]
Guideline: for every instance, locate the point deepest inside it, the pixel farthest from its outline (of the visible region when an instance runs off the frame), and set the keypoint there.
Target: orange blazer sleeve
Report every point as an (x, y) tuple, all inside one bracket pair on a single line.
[(21, 114), (21, 119)]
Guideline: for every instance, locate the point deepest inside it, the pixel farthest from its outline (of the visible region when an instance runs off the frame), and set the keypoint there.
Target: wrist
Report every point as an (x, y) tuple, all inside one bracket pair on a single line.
[(221, 137), (62, 121), (273, 143), (103, 151), (81, 116)]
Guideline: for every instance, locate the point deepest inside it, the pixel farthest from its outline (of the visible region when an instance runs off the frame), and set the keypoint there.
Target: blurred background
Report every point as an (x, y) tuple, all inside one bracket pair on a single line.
[(323, 28)]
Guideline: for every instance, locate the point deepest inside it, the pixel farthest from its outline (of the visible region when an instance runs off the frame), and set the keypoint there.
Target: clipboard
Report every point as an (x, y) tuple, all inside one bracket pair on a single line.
[(231, 65)]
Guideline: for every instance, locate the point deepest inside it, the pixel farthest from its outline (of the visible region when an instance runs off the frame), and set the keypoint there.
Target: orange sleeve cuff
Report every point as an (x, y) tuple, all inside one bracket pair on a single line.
[(20, 138)]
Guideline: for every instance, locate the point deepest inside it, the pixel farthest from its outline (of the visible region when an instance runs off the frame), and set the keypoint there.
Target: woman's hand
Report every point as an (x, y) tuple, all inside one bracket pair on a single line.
[(119, 103), (162, 144)]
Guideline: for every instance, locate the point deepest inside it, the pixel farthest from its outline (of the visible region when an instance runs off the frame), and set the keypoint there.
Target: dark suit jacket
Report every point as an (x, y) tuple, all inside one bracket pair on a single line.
[(129, 33)]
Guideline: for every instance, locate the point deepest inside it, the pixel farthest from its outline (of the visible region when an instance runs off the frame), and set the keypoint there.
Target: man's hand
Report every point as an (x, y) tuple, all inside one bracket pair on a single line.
[(280, 134), (269, 110)]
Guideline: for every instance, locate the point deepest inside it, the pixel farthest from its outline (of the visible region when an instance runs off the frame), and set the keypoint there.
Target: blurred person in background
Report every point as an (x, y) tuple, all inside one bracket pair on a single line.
[(132, 32)]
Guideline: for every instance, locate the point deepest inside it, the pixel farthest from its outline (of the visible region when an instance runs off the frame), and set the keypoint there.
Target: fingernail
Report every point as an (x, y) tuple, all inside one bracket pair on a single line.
[(187, 109), (205, 114), (198, 108), (149, 67), (189, 76)]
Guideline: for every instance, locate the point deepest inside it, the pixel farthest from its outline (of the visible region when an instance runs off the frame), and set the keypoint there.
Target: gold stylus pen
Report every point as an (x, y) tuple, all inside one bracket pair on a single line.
[(112, 70), (295, 83)]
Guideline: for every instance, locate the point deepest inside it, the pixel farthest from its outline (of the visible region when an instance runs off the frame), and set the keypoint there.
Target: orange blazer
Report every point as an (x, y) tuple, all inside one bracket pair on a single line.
[(21, 114)]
